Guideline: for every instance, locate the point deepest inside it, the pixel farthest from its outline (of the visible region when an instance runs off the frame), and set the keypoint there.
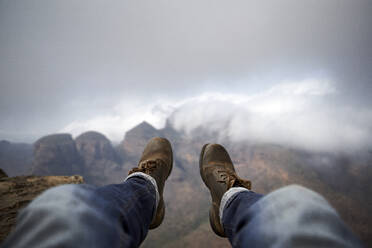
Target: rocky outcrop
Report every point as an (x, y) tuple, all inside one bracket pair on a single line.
[(101, 163), (56, 155), (90, 155), (17, 192), (136, 139), (95, 146)]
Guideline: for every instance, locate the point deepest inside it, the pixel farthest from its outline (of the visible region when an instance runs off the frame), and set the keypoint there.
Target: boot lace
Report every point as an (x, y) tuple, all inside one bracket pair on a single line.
[(146, 166), (231, 179)]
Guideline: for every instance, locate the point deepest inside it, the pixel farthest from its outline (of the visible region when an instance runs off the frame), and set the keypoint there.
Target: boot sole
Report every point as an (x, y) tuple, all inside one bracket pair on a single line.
[(214, 219), (159, 215), (201, 162)]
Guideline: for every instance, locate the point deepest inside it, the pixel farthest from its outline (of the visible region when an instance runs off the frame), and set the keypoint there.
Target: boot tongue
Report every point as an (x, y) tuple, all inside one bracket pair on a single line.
[(149, 166), (243, 183), (236, 181)]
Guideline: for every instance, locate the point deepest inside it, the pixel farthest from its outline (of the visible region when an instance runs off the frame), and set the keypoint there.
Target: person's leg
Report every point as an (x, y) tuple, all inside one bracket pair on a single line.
[(289, 217), (218, 173), (233, 202), (116, 215), (85, 216)]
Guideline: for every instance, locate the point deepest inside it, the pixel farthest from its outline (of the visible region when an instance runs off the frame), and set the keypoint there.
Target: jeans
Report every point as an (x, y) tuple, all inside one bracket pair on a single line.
[(116, 215), (292, 216), (119, 216)]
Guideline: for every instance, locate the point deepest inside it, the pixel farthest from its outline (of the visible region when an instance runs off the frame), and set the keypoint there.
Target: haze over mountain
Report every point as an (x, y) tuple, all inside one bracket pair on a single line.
[(267, 71), (343, 178), (15, 158)]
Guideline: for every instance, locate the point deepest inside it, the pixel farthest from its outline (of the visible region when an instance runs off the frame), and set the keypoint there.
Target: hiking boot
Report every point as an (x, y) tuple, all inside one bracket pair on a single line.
[(156, 161), (218, 174)]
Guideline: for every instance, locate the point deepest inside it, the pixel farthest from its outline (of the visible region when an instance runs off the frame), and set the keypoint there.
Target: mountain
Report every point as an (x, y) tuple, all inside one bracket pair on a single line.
[(343, 179), (56, 155), (136, 139), (101, 163), (91, 155), (15, 158)]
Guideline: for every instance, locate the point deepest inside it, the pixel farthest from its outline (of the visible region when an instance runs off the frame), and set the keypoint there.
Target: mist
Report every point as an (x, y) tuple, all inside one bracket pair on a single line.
[(294, 114), (295, 73)]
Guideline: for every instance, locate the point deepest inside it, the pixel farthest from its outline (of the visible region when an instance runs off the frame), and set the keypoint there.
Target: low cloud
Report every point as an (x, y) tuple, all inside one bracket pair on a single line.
[(295, 114), (63, 68), (123, 117)]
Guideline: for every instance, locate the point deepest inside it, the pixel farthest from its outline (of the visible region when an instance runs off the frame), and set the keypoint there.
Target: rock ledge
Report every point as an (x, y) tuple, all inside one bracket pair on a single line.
[(17, 192)]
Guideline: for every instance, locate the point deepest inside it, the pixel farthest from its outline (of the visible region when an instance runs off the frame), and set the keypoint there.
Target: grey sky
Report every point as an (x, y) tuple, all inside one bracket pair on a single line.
[(68, 61)]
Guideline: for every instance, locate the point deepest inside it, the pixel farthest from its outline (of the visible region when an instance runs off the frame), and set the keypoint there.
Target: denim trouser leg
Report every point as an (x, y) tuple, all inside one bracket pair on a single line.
[(289, 217), (116, 215)]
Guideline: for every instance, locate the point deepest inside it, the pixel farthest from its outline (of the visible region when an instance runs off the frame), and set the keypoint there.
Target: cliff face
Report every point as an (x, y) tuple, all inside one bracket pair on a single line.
[(90, 155), (136, 139), (17, 192), (93, 146), (56, 155), (101, 163)]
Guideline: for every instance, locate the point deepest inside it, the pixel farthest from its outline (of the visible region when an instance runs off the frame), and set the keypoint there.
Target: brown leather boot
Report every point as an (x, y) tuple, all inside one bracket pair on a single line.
[(156, 161), (218, 174)]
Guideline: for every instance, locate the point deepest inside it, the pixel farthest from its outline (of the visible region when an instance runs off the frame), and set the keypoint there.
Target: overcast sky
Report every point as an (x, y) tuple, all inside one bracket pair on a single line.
[(273, 71)]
